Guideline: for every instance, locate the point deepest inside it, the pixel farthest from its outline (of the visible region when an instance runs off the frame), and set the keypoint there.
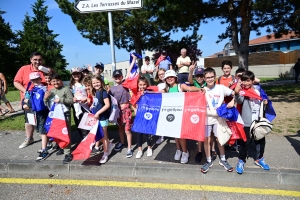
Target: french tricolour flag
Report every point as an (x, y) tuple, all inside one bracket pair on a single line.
[(48, 122), (131, 82), (58, 129), (177, 115)]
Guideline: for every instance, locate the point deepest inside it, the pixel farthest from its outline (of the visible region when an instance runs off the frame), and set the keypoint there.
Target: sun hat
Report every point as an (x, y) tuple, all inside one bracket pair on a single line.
[(76, 70), (34, 75), (170, 73)]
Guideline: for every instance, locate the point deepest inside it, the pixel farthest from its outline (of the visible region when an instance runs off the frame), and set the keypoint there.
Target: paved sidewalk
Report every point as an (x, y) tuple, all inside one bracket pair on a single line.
[(282, 154)]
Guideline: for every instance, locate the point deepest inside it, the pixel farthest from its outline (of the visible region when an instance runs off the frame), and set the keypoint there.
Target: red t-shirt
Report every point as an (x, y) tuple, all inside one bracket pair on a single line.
[(225, 81), (22, 77)]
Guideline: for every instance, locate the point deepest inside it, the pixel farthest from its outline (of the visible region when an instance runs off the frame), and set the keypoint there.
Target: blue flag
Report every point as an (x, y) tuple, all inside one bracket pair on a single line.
[(49, 118)]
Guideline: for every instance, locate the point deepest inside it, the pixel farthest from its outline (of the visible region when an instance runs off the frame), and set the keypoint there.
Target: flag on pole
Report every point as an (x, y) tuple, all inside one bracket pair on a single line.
[(49, 119), (131, 81), (177, 115), (58, 129), (84, 149)]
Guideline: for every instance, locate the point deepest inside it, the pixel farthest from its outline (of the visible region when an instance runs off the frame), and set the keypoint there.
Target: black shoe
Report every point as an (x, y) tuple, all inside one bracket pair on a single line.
[(119, 147), (60, 152), (198, 157), (96, 150), (68, 158), (213, 155)]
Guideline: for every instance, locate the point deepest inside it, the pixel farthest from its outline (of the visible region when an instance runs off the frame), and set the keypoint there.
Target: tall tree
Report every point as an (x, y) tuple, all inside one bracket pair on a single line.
[(8, 50), (36, 36), (148, 28)]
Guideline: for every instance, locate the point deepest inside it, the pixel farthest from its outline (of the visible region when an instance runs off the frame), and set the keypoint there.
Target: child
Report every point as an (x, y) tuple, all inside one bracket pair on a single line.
[(250, 112), (35, 102), (160, 75), (87, 82), (99, 67), (199, 83), (226, 79), (172, 85), (100, 108), (79, 93), (63, 95), (125, 121), (216, 94)]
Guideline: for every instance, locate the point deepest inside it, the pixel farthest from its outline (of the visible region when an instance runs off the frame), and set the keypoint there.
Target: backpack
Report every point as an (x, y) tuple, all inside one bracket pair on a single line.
[(37, 99), (114, 111), (261, 127)]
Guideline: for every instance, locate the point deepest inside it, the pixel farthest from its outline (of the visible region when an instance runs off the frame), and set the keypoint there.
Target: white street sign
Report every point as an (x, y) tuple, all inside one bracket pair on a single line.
[(86, 6)]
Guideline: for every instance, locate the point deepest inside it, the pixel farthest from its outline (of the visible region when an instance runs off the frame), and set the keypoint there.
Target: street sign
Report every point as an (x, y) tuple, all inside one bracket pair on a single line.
[(87, 6)]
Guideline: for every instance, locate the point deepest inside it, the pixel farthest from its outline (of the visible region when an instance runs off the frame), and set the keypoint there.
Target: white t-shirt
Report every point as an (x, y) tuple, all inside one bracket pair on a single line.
[(161, 86), (216, 96), (148, 67)]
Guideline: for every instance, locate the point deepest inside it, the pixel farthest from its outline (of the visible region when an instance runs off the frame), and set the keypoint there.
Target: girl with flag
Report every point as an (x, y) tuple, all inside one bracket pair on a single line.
[(172, 85), (100, 108)]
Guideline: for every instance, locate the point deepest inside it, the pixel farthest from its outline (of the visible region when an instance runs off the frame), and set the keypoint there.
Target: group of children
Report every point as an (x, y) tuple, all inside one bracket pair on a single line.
[(92, 89)]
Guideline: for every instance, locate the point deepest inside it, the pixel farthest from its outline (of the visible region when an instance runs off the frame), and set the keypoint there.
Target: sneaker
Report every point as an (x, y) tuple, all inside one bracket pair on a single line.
[(60, 152), (49, 146), (103, 159), (149, 152), (261, 162), (119, 147), (94, 150), (42, 156), (185, 157), (129, 153), (206, 167), (226, 165), (240, 167), (198, 157), (111, 146), (26, 143), (177, 155), (68, 158), (214, 155), (160, 140), (234, 148), (139, 154)]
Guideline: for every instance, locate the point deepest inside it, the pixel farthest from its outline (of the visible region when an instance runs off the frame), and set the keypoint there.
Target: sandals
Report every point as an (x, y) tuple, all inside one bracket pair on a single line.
[(5, 112)]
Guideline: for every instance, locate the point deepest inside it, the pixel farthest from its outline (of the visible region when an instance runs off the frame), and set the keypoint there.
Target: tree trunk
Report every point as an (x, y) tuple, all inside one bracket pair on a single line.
[(138, 49)]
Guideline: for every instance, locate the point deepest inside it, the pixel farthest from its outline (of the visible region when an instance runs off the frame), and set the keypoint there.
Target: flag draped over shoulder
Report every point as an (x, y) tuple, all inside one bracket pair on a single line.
[(178, 115), (161, 58), (84, 149), (270, 113), (49, 119), (131, 81), (234, 122), (58, 129)]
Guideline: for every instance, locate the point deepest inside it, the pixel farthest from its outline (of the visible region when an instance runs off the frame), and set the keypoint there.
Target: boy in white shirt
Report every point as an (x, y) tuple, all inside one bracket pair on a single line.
[(215, 94)]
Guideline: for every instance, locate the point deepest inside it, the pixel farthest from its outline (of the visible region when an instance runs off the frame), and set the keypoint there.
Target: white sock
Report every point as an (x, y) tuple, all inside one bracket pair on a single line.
[(223, 157), (208, 159)]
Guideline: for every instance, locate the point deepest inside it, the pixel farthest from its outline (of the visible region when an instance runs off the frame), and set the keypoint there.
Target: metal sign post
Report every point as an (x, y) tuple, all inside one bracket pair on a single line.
[(88, 6)]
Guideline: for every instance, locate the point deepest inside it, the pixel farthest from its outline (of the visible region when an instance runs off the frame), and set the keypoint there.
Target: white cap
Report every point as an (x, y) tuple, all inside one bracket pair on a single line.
[(34, 75), (170, 73)]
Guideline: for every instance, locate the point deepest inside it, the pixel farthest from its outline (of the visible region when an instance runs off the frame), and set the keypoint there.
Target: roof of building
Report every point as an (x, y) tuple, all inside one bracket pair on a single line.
[(271, 39), (215, 54)]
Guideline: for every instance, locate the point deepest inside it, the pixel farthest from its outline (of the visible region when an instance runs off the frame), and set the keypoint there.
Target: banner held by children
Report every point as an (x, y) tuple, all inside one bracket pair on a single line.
[(178, 115)]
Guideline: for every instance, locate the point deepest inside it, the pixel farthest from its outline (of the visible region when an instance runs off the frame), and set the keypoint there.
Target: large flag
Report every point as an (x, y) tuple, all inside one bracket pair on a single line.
[(58, 129), (48, 122), (136, 96), (84, 149), (131, 81), (270, 113), (177, 115), (161, 58), (234, 122)]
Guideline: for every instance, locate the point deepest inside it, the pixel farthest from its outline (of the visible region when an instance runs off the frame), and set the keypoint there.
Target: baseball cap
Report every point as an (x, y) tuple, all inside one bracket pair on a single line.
[(100, 65), (170, 73), (199, 71), (34, 75), (117, 72), (164, 52)]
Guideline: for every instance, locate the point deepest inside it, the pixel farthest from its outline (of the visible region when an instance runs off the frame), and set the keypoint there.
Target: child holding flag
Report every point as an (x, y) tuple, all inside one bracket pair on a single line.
[(100, 108), (172, 85), (63, 96)]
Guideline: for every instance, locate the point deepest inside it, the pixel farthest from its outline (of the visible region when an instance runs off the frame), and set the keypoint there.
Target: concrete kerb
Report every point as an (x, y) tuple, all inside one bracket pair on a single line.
[(138, 170)]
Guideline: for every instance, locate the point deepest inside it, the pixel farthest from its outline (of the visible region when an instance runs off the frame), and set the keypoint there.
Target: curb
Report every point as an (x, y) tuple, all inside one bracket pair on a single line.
[(138, 170)]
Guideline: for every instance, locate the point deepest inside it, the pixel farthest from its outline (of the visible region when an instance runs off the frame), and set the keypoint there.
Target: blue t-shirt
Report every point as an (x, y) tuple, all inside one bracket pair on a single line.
[(98, 103), (165, 64)]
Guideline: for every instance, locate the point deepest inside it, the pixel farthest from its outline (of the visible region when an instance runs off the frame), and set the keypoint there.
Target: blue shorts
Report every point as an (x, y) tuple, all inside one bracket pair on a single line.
[(104, 123)]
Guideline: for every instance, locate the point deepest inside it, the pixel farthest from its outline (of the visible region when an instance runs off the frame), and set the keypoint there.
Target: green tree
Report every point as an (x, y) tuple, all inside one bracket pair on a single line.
[(36, 36), (8, 50), (148, 28)]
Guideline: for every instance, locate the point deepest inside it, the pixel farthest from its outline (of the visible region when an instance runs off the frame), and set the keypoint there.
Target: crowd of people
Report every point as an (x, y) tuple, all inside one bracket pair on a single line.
[(88, 86)]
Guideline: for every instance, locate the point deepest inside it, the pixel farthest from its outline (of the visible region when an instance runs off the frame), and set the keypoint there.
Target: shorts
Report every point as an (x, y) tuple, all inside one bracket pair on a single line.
[(40, 120), (125, 118), (210, 128), (104, 123)]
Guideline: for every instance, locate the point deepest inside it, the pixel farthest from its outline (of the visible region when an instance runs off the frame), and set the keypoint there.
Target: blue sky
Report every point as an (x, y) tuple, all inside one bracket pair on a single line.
[(80, 51)]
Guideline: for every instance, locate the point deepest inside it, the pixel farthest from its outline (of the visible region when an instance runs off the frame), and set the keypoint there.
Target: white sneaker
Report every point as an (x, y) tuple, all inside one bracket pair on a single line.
[(149, 152), (111, 146), (139, 154), (26, 143), (185, 157), (103, 159), (160, 140), (177, 155)]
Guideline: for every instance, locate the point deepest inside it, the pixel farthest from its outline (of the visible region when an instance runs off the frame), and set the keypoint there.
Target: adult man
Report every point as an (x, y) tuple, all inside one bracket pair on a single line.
[(183, 62), (148, 69), (297, 70), (21, 82), (3, 88), (163, 62)]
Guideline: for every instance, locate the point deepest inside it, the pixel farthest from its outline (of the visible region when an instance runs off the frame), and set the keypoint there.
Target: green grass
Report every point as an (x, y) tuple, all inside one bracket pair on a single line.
[(13, 96), (12, 123), (264, 80), (282, 89)]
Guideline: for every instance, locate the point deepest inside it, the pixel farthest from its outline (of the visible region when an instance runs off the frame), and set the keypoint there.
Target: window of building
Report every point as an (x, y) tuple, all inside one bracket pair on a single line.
[(278, 46), (105, 71), (109, 72), (125, 71)]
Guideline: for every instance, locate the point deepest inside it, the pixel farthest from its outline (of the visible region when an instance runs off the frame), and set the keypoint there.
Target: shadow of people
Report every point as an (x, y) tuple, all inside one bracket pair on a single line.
[(295, 141)]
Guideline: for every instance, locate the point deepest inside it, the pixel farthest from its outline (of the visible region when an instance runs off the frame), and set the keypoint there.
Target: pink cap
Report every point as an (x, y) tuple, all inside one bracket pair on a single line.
[(34, 75)]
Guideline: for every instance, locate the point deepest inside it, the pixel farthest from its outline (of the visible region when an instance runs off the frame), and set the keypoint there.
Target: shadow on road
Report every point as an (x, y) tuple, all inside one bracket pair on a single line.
[(295, 141)]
